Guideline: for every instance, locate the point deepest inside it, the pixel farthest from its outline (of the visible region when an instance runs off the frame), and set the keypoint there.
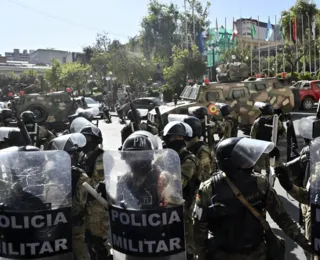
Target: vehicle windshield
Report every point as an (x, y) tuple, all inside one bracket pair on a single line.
[(190, 92), (90, 101)]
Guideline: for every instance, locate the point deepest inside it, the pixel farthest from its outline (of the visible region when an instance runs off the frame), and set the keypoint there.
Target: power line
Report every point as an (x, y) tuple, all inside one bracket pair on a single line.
[(83, 26)]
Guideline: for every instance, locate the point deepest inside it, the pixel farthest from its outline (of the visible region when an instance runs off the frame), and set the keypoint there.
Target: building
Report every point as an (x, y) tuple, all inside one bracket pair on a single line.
[(45, 56), (20, 67), (244, 34), (16, 55)]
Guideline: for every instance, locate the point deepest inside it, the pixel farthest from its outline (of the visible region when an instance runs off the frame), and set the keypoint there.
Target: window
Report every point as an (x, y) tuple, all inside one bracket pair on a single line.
[(306, 85), (317, 84), (90, 101), (212, 96), (298, 84), (260, 86), (236, 94)]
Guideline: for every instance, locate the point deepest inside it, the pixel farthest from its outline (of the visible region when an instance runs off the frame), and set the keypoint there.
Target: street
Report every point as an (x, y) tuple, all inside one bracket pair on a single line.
[(112, 141)]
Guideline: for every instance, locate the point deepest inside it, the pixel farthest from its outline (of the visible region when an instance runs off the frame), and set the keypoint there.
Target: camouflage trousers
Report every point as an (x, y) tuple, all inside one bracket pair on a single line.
[(80, 249), (307, 221), (188, 227), (97, 221), (259, 254)]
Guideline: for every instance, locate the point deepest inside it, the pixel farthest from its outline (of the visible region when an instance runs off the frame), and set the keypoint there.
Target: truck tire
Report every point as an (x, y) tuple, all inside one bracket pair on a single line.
[(297, 100), (307, 103), (40, 113)]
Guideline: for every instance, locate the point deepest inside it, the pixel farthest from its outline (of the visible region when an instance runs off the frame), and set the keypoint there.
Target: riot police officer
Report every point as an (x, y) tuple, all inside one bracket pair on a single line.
[(6, 117), (97, 218), (200, 149), (132, 126), (174, 134), (39, 133), (71, 144), (201, 113), (233, 203), (230, 121)]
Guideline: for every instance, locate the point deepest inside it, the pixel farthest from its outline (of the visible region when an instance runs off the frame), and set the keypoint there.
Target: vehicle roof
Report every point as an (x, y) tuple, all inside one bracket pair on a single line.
[(149, 98)]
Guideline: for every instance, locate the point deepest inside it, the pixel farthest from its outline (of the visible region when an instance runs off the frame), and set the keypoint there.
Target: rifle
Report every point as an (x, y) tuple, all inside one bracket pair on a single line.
[(21, 125), (133, 109), (292, 142)]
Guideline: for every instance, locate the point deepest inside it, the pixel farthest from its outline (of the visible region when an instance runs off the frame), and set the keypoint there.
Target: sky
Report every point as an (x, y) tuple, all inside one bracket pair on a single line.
[(72, 24)]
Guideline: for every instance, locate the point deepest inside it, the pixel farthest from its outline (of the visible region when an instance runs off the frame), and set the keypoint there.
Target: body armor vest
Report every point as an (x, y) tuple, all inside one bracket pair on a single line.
[(90, 162), (234, 129), (234, 227), (145, 195), (78, 211), (264, 132)]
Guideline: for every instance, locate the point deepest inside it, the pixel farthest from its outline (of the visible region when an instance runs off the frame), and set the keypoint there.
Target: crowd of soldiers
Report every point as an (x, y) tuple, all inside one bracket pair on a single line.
[(224, 191)]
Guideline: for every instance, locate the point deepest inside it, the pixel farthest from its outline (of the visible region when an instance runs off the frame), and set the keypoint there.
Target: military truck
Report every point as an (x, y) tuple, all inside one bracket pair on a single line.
[(240, 95), (50, 109)]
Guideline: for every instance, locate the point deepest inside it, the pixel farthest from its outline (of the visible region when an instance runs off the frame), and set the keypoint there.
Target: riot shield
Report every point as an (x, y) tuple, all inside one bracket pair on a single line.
[(146, 218), (64, 142), (79, 123), (35, 197)]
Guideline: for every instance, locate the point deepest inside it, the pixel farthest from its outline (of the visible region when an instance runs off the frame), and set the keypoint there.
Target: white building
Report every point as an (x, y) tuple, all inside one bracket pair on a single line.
[(45, 56), (20, 67), (16, 55), (244, 30)]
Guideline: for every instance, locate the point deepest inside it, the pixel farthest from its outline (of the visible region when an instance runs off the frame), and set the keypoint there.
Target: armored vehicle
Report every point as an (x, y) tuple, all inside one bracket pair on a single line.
[(51, 109), (240, 95)]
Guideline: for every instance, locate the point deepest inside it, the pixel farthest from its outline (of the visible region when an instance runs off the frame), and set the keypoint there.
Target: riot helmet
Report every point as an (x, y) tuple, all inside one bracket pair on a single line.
[(28, 117), (131, 117), (225, 109), (200, 113), (240, 154), (70, 143), (267, 110), (142, 145), (175, 133), (195, 125), (6, 114)]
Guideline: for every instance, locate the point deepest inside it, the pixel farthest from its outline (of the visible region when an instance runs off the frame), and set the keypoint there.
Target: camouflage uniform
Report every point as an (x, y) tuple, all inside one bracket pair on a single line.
[(45, 134), (127, 130), (229, 126), (97, 217), (78, 207), (270, 202), (205, 158), (190, 181)]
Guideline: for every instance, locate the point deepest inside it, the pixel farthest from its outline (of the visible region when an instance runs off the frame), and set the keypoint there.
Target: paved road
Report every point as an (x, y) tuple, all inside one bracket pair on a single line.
[(111, 141)]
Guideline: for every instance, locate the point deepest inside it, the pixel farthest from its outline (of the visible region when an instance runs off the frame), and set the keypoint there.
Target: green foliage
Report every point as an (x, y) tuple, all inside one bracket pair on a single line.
[(185, 65), (242, 52), (53, 76), (74, 75)]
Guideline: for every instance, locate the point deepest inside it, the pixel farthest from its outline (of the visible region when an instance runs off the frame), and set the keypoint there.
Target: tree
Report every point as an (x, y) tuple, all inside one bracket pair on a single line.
[(242, 53), (88, 53), (29, 77), (159, 30), (301, 11), (53, 75), (75, 75), (185, 65)]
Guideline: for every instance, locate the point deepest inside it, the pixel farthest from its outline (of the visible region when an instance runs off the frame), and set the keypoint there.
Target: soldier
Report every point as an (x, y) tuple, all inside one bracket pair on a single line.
[(29, 121), (174, 135), (262, 130), (230, 122), (97, 218), (232, 206), (200, 149), (71, 144), (201, 113), (131, 127)]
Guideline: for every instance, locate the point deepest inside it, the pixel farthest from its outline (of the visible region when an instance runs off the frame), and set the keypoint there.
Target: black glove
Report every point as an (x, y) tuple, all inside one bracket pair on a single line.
[(284, 177), (275, 153), (101, 189)]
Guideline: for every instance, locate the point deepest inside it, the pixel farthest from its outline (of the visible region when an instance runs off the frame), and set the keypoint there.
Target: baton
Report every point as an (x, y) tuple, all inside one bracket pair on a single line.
[(95, 194)]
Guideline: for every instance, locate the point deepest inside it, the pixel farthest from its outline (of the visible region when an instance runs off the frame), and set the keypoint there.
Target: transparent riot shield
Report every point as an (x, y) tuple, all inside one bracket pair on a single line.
[(35, 197), (146, 218)]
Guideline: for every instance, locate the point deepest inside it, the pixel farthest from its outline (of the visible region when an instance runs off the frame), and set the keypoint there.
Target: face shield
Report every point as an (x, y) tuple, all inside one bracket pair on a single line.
[(305, 127), (247, 152), (69, 143)]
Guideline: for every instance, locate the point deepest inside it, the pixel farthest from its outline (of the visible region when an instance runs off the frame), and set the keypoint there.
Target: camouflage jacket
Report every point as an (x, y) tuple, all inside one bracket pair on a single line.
[(254, 127), (273, 204), (205, 158)]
